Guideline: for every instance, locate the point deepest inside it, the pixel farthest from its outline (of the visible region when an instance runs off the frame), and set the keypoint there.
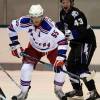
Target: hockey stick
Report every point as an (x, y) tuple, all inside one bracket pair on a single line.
[(49, 65), (10, 77), (71, 74), (32, 58), (2, 95)]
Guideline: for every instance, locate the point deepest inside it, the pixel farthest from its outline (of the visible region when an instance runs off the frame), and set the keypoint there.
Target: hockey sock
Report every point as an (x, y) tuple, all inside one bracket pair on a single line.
[(90, 85), (26, 73), (76, 86), (58, 91)]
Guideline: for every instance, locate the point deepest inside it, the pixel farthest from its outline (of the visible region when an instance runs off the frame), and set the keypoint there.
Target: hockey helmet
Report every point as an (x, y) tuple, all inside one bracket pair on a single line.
[(36, 11), (72, 1)]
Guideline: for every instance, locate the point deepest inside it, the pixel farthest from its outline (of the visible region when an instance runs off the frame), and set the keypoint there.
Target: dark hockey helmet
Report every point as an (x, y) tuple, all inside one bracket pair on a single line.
[(72, 1)]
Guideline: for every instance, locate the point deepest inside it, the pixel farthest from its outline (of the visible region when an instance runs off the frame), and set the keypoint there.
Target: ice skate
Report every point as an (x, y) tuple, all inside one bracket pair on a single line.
[(75, 95), (21, 96), (94, 96)]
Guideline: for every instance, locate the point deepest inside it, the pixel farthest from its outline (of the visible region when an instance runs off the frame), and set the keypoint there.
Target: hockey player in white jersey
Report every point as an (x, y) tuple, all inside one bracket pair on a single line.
[(45, 38)]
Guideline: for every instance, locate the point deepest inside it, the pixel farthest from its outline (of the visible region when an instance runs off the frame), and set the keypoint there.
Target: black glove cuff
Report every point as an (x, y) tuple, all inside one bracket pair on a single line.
[(14, 43)]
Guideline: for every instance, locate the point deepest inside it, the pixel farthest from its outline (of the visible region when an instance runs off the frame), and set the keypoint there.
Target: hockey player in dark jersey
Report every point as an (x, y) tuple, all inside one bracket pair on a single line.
[(83, 45)]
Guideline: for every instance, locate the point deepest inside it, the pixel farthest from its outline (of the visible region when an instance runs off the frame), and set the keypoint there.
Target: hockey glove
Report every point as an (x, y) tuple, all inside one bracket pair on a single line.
[(16, 49), (58, 64), (69, 35)]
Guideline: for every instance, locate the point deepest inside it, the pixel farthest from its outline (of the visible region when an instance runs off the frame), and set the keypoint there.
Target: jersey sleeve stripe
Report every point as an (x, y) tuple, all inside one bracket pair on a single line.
[(13, 38), (63, 42), (10, 27), (61, 51)]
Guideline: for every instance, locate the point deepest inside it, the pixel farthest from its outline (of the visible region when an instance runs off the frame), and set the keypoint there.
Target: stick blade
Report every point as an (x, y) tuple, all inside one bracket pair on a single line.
[(75, 98)]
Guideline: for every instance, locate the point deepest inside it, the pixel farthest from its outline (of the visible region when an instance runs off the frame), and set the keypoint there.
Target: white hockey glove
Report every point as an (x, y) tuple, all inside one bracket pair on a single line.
[(69, 35)]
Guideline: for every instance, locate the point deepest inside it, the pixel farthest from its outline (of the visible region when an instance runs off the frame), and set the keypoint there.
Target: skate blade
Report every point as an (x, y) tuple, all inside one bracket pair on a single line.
[(97, 99), (76, 98)]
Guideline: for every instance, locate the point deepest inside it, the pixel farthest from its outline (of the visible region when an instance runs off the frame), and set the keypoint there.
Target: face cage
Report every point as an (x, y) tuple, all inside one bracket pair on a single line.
[(41, 17)]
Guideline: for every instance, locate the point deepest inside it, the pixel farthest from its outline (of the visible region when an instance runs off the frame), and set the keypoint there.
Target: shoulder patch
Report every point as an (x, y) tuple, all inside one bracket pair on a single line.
[(45, 26), (49, 21), (75, 14), (25, 22)]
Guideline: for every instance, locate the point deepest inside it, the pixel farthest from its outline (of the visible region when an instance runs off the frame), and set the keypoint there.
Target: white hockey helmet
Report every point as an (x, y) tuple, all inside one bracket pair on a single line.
[(36, 10)]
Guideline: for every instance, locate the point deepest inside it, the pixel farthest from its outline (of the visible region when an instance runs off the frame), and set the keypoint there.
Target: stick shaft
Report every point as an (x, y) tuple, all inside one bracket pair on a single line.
[(71, 74), (49, 65), (10, 77)]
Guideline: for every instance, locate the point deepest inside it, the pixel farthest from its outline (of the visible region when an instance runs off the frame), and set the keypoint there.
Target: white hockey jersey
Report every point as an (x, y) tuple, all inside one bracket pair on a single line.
[(44, 38)]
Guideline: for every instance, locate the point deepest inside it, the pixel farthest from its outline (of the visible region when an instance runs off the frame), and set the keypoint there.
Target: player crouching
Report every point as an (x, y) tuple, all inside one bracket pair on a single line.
[(45, 39)]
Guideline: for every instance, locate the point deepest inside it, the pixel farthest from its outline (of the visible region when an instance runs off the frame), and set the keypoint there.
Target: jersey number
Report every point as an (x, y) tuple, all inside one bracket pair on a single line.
[(78, 22), (54, 34)]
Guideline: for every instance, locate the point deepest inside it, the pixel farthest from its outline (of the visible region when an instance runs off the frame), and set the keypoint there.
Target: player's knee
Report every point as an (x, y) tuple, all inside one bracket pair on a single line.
[(26, 71), (27, 67)]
